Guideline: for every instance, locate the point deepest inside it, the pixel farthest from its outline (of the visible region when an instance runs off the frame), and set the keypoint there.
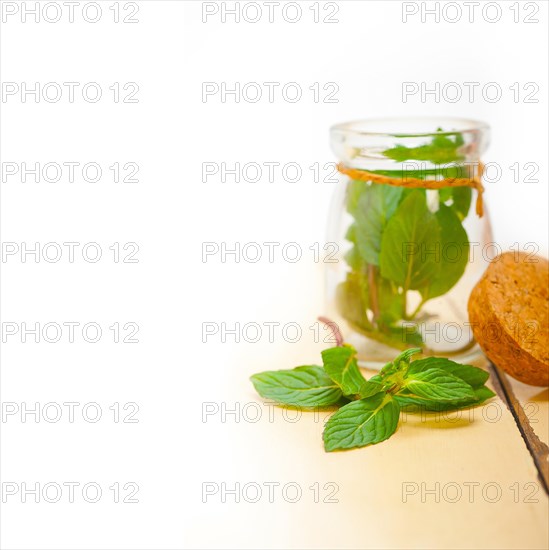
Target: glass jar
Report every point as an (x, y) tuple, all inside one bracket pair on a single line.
[(412, 235)]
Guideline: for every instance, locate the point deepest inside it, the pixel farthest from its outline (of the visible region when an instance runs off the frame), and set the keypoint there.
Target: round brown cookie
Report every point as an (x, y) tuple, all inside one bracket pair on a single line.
[(509, 315)]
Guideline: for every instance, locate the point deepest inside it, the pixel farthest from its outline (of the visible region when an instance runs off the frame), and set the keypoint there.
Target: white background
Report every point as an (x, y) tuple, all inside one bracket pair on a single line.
[(170, 292)]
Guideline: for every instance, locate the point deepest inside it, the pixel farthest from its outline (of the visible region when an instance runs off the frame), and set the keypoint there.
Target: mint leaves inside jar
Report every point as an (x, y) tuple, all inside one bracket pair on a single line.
[(401, 242)]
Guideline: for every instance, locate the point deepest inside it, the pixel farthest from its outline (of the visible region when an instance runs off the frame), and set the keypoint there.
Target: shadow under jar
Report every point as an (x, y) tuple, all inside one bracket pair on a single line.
[(412, 232)]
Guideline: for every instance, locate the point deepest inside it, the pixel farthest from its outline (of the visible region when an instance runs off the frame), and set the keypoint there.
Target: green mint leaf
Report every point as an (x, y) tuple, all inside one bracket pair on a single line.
[(405, 355), (473, 376), (307, 387), (354, 191), (370, 388), (375, 206), (453, 254), (400, 363), (353, 258), (412, 402), (352, 301), (443, 149), (403, 337), (461, 201), (361, 423), (391, 302), (483, 393), (415, 404), (439, 386), (341, 366), (408, 244)]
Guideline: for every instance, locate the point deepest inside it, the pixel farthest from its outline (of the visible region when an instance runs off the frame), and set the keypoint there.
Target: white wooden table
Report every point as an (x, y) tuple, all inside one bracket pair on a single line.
[(459, 481)]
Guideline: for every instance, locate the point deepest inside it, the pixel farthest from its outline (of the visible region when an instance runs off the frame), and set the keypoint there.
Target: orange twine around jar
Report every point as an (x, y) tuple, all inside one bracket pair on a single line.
[(412, 183)]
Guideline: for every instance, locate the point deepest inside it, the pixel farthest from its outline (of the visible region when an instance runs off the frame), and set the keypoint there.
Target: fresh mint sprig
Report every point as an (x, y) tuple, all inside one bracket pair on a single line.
[(369, 409)]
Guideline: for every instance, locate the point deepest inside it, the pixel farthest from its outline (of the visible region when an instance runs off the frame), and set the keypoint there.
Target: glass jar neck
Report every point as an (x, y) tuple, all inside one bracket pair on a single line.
[(426, 148)]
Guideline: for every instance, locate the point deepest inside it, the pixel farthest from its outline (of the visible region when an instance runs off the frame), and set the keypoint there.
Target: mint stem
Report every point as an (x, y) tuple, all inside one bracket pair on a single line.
[(335, 330), (416, 311), (372, 284)]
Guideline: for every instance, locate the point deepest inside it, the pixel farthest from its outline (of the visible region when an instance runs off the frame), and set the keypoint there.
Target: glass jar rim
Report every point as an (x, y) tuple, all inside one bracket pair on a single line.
[(384, 127)]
